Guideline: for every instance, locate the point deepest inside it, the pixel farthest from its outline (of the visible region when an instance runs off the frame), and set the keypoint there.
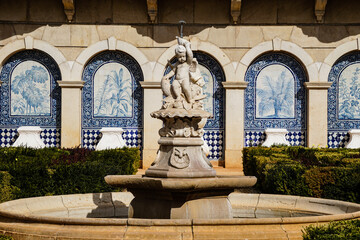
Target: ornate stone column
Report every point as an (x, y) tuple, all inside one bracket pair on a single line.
[(317, 113), (152, 102), (71, 113), (234, 123)]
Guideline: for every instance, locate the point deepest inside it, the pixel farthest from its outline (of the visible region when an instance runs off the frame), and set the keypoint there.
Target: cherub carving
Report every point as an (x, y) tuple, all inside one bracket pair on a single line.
[(186, 89)]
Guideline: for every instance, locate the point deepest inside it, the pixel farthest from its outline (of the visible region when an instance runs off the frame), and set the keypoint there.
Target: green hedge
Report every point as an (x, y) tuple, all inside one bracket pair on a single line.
[(26, 172), (347, 230), (4, 237), (325, 173)]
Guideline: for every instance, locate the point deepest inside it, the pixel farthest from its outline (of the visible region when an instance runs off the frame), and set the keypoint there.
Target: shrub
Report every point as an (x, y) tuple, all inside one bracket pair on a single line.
[(326, 173), (347, 230), (4, 237), (50, 171), (7, 192)]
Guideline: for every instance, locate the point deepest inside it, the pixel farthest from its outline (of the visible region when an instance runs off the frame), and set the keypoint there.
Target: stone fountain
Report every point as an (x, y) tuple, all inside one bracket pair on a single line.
[(181, 183)]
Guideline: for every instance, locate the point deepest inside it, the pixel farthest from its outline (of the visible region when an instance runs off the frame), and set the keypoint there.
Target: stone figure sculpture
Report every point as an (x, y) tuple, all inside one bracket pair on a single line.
[(186, 89), (182, 151)]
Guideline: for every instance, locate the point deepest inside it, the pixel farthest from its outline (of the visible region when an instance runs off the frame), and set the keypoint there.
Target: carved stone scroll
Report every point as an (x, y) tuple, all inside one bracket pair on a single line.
[(69, 9), (320, 6), (235, 10), (152, 9)]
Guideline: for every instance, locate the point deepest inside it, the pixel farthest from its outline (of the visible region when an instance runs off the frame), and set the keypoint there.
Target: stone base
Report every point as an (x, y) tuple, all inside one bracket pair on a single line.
[(29, 136), (174, 198), (354, 141), (275, 136), (111, 139), (180, 157)]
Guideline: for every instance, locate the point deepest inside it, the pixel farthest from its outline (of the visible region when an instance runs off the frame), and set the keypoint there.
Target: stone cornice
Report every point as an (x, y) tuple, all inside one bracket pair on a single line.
[(145, 84), (71, 84), (235, 85), (317, 85)]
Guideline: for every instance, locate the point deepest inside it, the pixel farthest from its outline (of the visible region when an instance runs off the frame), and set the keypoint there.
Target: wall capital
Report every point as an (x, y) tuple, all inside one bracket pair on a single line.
[(145, 85), (71, 84), (318, 85), (235, 85)]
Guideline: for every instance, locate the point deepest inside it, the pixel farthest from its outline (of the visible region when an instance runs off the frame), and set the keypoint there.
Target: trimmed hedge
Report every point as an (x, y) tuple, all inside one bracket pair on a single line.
[(347, 230), (325, 173), (26, 172), (4, 237)]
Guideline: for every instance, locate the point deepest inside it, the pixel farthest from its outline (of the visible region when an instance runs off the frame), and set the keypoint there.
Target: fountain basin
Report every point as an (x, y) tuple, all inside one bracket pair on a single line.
[(103, 216)]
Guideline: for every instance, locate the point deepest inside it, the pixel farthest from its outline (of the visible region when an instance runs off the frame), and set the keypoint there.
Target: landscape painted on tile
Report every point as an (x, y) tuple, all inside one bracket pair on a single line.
[(208, 89), (30, 89), (349, 93), (275, 93), (113, 91)]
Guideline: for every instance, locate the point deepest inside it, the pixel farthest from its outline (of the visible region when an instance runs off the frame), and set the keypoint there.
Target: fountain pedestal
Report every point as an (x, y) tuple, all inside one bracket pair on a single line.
[(180, 198)]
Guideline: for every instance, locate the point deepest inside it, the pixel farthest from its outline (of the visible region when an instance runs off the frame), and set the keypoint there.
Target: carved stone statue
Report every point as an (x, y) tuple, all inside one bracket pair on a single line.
[(182, 150), (186, 89)]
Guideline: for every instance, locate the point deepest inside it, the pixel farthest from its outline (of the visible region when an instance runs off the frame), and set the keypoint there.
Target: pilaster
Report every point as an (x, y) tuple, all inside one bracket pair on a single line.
[(234, 123), (152, 102), (71, 113), (317, 113)]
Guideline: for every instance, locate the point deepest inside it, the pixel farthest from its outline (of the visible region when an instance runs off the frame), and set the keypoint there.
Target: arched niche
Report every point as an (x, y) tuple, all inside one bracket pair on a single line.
[(343, 99), (275, 98), (214, 103), (112, 97), (30, 96)]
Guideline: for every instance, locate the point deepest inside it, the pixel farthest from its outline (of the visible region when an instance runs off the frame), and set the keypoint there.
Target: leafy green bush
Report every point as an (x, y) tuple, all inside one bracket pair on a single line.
[(7, 192), (326, 173), (4, 237), (347, 230), (29, 172)]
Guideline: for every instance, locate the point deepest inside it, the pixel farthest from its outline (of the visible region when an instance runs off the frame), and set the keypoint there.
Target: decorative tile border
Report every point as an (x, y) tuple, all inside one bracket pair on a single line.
[(7, 136), (51, 137), (215, 141), (256, 138), (338, 139)]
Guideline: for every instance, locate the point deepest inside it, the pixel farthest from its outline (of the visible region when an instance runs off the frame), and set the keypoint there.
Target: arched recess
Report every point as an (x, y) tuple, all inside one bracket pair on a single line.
[(275, 45), (127, 57), (214, 75), (310, 70), (275, 98), (30, 94), (111, 44), (336, 70), (112, 97), (29, 43), (344, 99)]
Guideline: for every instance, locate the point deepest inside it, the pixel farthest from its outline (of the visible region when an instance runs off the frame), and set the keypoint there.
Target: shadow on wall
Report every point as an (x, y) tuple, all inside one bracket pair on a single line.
[(164, 33), (109, 17)]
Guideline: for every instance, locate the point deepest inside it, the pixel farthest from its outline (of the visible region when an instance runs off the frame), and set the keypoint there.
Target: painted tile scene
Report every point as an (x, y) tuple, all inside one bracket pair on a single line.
[(208, 88), (275, 93), (113, 91), (349, 93), (30, 89)]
